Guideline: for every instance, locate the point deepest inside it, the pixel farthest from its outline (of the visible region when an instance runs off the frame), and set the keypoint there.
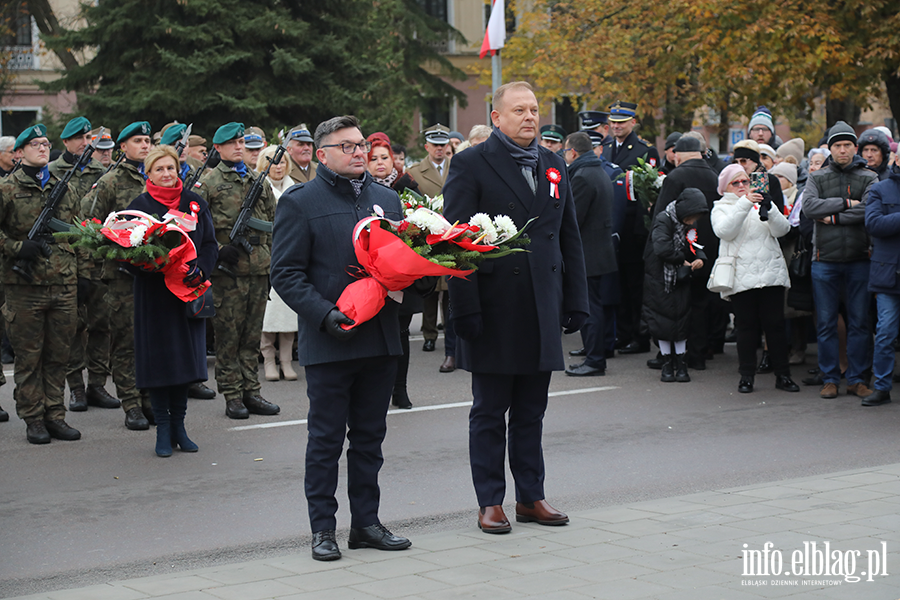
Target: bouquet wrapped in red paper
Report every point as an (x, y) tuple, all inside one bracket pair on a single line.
[(394, 254), (143, 240)]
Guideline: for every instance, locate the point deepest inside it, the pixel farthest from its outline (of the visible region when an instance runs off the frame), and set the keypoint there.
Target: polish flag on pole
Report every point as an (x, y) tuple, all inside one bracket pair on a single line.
[(495, 34)]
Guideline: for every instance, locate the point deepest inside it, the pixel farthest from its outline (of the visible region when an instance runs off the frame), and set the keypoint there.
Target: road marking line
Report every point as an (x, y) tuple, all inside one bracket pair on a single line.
[(398, 411)]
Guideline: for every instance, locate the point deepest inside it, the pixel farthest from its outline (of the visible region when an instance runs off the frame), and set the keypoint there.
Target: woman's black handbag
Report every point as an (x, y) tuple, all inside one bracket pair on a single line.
[(801, 260), (203, 307)]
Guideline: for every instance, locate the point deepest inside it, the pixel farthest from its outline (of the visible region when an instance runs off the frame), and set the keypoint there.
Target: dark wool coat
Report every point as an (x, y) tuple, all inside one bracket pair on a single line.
[(169, 348), (592, 191), (883, 225), (313, 261), (668, 315), (523, 297)]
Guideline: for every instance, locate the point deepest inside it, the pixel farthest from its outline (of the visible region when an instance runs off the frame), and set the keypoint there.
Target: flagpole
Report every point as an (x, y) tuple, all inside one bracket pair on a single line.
[(496, 71)]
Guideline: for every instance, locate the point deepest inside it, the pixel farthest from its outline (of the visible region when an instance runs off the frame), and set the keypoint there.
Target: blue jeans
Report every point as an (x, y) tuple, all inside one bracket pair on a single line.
[(886, 331), (833, 282)]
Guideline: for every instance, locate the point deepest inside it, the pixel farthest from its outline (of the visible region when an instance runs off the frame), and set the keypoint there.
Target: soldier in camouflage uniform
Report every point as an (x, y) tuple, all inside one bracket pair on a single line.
[(113, 192), (40, 313), (93, 319), (241, 295)]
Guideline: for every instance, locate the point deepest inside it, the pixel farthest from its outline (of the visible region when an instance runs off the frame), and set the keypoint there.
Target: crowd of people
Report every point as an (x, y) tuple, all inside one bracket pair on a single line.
[(771, 237)]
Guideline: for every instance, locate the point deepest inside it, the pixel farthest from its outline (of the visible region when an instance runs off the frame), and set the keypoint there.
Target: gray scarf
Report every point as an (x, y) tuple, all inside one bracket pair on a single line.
[(670, 271), (526, 158)]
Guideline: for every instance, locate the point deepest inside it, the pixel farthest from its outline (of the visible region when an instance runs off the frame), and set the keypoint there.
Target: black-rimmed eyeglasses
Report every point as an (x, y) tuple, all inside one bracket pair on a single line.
[(350, 147)]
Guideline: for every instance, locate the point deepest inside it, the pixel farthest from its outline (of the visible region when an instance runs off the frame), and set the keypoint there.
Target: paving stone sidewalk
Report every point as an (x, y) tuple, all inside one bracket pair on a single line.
[(682, 548)]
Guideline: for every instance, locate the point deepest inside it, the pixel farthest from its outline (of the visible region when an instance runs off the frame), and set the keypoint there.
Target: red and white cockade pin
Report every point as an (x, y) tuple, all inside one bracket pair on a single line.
[(692, 240), (554, 178), (195, 208)]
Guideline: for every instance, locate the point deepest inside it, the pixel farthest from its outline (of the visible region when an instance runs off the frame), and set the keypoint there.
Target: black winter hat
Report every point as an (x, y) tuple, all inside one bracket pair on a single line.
[(841, 132), (690, 202), (688, 143)]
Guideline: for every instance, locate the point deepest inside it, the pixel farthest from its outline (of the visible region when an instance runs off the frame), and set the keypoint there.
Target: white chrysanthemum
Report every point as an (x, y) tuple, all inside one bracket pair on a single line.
[(137, 235), (429, 221), (659, 182), (485, 227), (506, 227)]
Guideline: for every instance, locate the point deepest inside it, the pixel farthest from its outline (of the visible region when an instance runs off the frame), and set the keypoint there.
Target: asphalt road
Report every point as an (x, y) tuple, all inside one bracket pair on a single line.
[(105, 507)]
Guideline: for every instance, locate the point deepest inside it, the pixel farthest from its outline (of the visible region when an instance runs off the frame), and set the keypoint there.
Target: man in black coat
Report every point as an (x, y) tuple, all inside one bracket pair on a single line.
[(592, 191), (349, 372), (509, 313), (623, 149), (707, 313)]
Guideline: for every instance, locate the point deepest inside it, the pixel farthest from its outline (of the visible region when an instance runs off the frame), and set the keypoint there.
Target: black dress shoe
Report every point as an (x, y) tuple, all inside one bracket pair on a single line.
[(765, 365), (813, 380), (449, 365), (135, 420), (376, 536), (98, 396), (636, 348), (579, 352), (656, 363), (36, 433), (584, 371), (235, 409), (877, 398), (784, 382), (428, 346), (77, 401), (4, 416), (200, 392), (59, 429), (258, 405), (400, 399), (324, 546), (745, 386)]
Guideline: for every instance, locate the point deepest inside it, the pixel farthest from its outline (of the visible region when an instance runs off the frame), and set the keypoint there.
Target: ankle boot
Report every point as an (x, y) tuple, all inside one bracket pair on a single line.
[(177, 410), (267, 349), (163, 426), (668, 369), (285, 351), (681, 369)]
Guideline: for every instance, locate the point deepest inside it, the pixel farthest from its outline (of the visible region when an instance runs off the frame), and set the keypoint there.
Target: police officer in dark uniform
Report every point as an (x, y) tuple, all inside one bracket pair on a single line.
[(597, 121), (623, 149)]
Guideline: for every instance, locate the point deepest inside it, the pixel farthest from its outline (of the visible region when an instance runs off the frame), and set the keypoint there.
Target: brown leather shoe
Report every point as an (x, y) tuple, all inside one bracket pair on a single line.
[(859, 389), (449, 365), (539, 512), (491, 519), (829, 390)]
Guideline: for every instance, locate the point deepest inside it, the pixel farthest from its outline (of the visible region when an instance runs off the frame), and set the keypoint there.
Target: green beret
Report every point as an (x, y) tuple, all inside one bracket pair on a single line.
[(228, 132), (77, 126), (136, 128), (35, 131), (173, 134)]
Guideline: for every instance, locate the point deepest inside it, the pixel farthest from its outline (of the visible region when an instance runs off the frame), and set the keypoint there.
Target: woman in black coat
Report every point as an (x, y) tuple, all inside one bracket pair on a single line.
[(670, 257), (170, 348)]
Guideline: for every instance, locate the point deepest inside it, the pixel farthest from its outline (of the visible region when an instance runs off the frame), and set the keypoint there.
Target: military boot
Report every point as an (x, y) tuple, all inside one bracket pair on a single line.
[(200, 391), (98, 396), (258, 405), (36, 432), (77, 400), (235, 409)]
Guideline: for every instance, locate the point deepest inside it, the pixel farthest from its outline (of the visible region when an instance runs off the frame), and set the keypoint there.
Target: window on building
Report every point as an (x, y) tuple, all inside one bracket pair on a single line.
[(510, 17), (436, 111), (14, 122), (15, 25), (567, 115), (435, 8)]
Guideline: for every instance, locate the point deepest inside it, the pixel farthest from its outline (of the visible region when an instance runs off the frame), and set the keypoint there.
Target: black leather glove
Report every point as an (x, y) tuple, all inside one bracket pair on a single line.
[(468, 327), (84, 289), (574, 321), (30, 250), (194, 277), (229, 255), (332, 325)]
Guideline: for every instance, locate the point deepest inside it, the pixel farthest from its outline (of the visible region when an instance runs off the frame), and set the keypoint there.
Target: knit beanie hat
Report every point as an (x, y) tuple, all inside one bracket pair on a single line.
[(794, 147), (762, 116), (767, 150), (887, 132), (729, 174), (786, 170), (841, 132)]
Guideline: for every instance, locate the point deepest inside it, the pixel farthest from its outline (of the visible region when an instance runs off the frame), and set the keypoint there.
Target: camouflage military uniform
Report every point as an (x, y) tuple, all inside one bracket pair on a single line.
[(115, 191), (40, 315), (93, 316), (240, 303)]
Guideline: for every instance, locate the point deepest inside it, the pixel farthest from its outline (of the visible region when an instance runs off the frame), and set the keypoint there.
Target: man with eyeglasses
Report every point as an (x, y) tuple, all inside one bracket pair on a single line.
[(349, 372), (300, 147), (241, 281), (41, 292), (762, 128)]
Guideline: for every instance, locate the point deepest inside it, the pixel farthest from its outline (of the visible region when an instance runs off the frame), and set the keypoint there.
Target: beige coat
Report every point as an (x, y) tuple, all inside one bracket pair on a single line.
[(301, 176), (430, 182)]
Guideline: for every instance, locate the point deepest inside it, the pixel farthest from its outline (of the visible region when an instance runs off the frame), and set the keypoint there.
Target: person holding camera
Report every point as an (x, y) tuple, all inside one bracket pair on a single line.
[(760, 273), (747, 154)]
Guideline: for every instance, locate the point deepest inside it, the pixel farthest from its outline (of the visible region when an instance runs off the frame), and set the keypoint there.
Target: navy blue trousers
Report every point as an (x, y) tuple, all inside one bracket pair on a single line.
[(346, 399), (524, 397)]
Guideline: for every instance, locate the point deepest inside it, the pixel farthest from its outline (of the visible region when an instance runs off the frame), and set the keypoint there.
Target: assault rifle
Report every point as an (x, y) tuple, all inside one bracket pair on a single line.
[(195, 176), (116, 164), (46, 223), (181, 144), (245, 220)]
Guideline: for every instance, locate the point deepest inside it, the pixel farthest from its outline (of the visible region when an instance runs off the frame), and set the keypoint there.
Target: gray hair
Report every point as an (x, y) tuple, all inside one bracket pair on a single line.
[(823, 151), (479, 132), (334, 124), (699, 136), (6, 143)]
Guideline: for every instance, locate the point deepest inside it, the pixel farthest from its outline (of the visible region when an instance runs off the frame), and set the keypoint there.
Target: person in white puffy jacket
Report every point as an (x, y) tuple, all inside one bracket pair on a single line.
[(760, 275)]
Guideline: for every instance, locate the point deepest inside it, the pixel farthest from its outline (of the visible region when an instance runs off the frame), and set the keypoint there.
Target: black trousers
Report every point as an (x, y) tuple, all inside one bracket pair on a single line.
[(593, 333), (628, 317), (347, 396), (525, 398), (761, 308), (698, 336)]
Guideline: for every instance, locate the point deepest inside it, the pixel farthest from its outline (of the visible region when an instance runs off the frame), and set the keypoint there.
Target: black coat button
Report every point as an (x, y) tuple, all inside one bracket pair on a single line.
[(524, 236), (556, 205), (553, 268), (515, 270), (512, 206), (552, 236)]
